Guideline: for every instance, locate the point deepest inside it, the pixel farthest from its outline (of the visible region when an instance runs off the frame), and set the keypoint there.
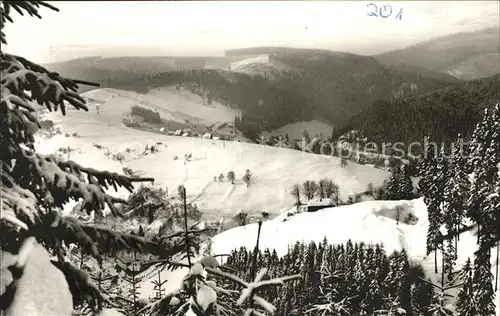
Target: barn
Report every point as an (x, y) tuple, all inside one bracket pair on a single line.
[(315, 205)]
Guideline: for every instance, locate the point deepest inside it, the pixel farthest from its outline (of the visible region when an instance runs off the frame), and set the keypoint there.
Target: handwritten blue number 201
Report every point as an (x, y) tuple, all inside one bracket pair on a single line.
[(383, 11)]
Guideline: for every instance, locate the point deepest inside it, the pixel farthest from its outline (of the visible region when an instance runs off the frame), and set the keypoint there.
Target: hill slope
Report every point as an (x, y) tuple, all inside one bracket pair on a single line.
[(464, 55), (274, 170), (369, 222)]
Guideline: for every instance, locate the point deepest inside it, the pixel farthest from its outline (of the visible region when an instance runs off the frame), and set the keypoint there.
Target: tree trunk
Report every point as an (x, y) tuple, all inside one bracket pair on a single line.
[(478, 232), (435, 261), (496, 272), (254, 259), (186, 226), (442, 264)]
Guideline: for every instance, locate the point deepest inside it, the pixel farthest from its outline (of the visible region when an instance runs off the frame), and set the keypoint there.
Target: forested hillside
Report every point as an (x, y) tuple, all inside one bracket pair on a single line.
[(340, 85), (304, 83), (467, 56), (441, 114)]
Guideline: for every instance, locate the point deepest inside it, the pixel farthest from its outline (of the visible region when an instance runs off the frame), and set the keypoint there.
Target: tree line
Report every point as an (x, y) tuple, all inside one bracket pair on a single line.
[(309, 189)]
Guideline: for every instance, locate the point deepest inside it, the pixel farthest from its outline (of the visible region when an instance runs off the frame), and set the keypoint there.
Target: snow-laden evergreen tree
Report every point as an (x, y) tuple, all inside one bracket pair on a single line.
[(427, 188), (405, 184), (456, 191), (484, 295), (465, 305), (393, 185), (483, 162), (438, 186)]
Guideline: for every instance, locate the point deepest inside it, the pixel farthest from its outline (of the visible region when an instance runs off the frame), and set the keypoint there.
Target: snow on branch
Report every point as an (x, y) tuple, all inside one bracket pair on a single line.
[(61, 181), (18, 204), (97, 240), (82, 287)]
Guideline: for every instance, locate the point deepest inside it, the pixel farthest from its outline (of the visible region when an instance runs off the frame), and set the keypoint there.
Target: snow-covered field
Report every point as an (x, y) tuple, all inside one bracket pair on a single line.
[(172, 104), (258, 59), (261, 65), (274, 170)]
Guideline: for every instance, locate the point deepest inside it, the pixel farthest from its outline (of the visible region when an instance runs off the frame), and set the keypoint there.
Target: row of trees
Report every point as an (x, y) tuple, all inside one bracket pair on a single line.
[(324, 188), (231, 177), (460, 190)]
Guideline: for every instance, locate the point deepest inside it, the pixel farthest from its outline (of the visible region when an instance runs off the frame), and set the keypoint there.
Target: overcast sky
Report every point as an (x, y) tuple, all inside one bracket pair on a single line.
[(208, 28)]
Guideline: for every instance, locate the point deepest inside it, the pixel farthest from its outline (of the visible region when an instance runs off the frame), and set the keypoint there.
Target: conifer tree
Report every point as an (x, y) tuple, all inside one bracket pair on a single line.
[(428, 167), (483, 162), (456, 191), (158, 286), (465, 305), (483, 204), (392, 186), (405, 185), (438, 187), (484, 295)]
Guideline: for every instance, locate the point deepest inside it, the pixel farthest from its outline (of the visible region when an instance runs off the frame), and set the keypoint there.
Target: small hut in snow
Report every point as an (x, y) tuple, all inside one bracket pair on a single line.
[(315, 205)]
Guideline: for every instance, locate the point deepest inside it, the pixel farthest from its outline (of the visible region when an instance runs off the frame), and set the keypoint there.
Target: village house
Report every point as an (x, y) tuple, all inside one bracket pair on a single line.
[(316, 205), (225, 131)]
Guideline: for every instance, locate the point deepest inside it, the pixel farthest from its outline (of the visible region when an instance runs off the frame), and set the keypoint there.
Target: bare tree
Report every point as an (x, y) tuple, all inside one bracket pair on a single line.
[(241, 218), (180, 192), (322, 187), (231, 176), (343, 162), (334, 192), (247, 177), (309, 189), (295, 192), (370, 189)]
